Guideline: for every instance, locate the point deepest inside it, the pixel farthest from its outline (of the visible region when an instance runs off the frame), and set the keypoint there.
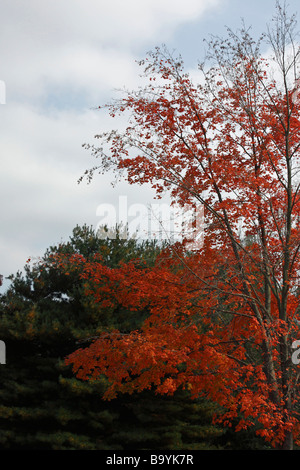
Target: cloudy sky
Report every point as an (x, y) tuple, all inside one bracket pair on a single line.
[(59, 60)]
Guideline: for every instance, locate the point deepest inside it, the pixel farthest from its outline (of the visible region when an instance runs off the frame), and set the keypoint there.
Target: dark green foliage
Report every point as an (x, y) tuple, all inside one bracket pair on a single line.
[(45, 315), (168, 423), (242, 440), (47, 304)]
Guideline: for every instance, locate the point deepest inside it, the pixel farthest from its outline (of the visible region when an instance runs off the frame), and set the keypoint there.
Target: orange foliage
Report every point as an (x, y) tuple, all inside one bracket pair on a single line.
[(222, 318)]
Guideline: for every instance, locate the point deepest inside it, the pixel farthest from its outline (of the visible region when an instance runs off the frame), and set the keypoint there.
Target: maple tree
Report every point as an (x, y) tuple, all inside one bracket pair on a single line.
[(45, 315), (222, 318)]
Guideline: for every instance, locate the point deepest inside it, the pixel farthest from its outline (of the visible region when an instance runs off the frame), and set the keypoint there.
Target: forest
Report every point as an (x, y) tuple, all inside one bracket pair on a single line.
[(118, 343), (46, 315)]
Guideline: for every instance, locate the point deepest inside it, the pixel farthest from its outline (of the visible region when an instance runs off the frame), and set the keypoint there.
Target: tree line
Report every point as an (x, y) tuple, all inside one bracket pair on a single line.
[(45, 315)]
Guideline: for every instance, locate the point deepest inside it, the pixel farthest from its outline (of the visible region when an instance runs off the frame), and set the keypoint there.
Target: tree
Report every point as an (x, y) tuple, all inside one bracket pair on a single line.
[(45, 314), (230, 143)]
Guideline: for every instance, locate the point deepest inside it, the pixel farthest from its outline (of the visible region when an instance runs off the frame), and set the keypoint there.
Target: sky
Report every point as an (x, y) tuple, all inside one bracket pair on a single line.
[(60, 59)]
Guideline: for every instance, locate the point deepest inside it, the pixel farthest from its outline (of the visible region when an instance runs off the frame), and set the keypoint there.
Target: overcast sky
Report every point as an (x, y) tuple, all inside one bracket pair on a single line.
[(59, 60)]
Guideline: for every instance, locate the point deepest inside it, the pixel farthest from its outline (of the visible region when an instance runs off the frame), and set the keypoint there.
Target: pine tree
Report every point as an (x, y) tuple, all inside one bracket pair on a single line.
[(44, 316)]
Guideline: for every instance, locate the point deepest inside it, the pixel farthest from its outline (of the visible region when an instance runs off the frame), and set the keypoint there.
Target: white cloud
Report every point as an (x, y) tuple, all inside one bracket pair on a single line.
[(107, 22), (58, 59), (41, 160), (83, 43)]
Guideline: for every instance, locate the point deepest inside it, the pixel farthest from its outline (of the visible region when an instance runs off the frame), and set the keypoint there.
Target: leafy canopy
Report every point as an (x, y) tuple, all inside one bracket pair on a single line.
[(224, 317)]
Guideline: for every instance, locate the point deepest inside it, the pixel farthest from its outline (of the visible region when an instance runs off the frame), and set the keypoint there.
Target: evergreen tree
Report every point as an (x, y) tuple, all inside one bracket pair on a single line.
[(44, 315)]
